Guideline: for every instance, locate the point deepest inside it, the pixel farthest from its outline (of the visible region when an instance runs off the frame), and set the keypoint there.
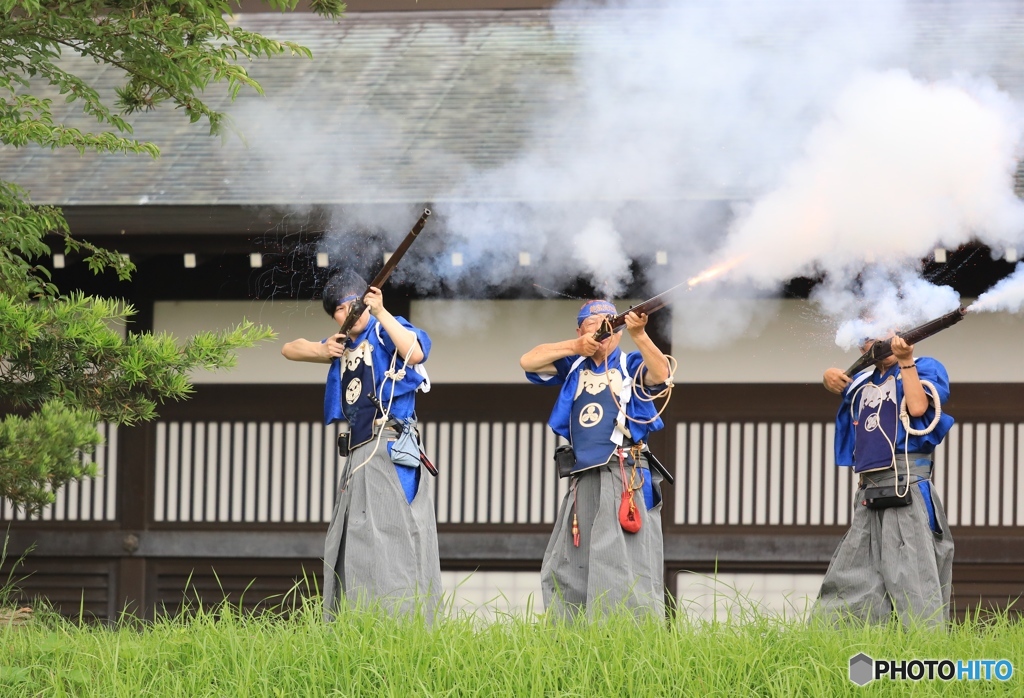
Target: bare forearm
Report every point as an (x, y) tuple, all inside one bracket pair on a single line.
[(913, 391), (655, 360), (542, 358), (305, 350)]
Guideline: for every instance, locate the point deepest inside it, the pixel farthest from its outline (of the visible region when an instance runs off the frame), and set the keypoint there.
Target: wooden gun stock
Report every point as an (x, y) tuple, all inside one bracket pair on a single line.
[(616, 323), (883, 348), (355, 311)]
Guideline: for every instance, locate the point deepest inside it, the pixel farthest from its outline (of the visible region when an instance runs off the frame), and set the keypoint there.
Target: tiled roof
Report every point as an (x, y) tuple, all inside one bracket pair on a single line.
[(406, 103)]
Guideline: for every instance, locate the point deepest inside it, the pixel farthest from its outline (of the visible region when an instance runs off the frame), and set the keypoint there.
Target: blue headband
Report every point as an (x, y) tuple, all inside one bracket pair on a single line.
[(598, 307), (348, 298)]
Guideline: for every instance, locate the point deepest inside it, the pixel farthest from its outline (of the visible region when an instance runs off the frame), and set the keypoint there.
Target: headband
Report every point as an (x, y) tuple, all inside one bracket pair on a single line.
[(598, 307)]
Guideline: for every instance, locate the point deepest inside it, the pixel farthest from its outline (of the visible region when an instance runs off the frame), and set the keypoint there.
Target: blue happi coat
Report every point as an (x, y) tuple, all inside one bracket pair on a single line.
[(928, 369), (567, 375), (403, 406)]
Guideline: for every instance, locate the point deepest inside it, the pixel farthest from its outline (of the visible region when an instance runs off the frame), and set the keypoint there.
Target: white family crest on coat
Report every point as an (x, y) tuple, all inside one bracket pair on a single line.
[(353, 391), (595, 383), (886, 392), (363, 353), (591, 415)]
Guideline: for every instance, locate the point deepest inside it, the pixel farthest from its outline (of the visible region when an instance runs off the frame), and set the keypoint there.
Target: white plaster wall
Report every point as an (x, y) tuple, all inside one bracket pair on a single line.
[(796, 345), (262, 363), (789, 344), (745, 596), (982, 348), (703, 597), (481, 341), (473, 341), (491, 595)]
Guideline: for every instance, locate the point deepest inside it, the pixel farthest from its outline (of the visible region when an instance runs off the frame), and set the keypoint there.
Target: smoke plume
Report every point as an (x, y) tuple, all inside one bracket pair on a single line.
[(1006, 296), (898, 168), (839, 140)]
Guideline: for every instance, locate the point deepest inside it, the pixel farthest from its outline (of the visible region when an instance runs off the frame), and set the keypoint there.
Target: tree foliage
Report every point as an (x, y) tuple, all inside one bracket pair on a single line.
[(64, 366)]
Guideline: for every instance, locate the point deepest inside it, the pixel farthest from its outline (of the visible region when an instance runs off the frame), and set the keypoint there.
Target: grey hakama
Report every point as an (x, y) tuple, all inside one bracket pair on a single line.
[(380, 548), (891, 559), (611, 569)]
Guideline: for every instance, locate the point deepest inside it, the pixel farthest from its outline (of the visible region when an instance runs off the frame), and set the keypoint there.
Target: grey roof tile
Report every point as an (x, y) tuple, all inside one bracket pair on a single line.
[(405, 103)]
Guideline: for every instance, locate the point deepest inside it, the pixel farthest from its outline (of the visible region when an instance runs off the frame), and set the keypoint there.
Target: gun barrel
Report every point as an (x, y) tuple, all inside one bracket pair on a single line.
[(646, 308), (396, 256), (357, 307), (883, 349)]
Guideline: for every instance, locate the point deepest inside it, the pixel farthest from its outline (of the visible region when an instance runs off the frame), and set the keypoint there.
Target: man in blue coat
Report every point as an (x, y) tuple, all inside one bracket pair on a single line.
[(382, 542), (898, 554), (606, 550)]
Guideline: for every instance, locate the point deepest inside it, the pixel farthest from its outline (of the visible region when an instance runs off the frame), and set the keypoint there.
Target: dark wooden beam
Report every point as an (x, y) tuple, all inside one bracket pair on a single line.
[(763, 546)]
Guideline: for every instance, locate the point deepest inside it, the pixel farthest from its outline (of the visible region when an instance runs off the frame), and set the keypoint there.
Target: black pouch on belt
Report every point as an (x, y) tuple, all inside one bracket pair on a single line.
[(885, 497), (565, 460)]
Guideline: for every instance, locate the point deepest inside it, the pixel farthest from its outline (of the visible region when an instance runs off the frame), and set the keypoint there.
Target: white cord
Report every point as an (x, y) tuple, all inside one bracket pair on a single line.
[(905, 416), (640, 390), (905, 419), (395, 377)]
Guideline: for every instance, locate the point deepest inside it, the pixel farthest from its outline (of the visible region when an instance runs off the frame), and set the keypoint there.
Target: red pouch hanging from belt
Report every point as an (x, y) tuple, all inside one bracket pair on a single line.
[(629, 514)]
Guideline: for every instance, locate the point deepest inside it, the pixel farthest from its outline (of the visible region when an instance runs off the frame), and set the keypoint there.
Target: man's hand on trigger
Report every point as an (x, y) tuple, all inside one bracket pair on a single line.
[(835, 380), (586, 345), (334, 346)]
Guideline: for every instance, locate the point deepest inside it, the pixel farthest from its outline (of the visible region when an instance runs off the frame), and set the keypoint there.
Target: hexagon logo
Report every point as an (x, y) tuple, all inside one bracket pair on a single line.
[(862, 669)]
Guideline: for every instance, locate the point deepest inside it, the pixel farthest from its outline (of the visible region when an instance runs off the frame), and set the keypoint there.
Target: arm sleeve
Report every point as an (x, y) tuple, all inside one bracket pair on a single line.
[(562, 367), (643, 410), (928, 369), (421, 337), (634, 360), (845, 434)]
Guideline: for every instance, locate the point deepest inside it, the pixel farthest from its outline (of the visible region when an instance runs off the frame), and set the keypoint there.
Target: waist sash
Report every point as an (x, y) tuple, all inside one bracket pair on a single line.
[(920, 469)]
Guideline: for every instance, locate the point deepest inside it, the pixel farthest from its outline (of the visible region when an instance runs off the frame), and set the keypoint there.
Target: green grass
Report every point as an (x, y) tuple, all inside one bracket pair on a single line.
[(226, 652)]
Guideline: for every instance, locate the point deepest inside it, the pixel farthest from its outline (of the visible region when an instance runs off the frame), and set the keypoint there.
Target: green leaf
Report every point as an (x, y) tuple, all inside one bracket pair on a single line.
[(64, 366)]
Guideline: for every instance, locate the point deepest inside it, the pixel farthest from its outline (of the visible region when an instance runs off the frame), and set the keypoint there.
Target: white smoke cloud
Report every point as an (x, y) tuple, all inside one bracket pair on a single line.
[(819, 138), (898, 168), (676, 110), (599, 249), (879, 301), (1006, 296)]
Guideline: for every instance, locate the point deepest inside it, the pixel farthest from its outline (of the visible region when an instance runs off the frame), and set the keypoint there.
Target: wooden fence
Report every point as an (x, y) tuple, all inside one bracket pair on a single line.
[(237, 485)]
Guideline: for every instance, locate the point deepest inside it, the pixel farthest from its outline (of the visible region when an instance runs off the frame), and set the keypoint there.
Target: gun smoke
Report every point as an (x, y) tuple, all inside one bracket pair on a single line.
[(898, 168), (834, 140), (1006, 296)]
